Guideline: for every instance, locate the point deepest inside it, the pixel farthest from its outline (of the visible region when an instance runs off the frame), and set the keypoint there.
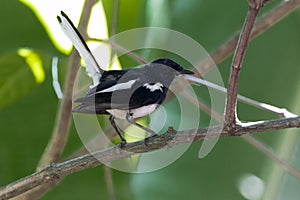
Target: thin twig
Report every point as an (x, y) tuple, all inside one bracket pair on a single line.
[(263, 106), (283, 112), (121, 50), (232, 91), (261, 147), (262, 24), (57, 171)]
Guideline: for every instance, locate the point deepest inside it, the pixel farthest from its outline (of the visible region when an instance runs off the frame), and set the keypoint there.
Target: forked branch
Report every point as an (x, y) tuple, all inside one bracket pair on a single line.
[(232, 91)]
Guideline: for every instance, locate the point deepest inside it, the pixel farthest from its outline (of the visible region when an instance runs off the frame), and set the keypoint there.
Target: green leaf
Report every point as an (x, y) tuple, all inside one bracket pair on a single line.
[(16, 78), (21, 28)]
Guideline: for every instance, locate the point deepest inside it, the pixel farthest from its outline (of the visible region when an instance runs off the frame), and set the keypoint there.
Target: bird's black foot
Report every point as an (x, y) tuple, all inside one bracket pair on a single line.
[(123, 143), (146, 140)]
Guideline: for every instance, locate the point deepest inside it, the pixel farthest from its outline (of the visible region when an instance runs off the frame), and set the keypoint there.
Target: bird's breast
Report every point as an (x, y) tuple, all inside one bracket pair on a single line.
[(136, 113)]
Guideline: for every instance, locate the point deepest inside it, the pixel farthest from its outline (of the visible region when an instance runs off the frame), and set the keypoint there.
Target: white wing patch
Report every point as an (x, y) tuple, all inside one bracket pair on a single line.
[(154, 87), (120, 86)]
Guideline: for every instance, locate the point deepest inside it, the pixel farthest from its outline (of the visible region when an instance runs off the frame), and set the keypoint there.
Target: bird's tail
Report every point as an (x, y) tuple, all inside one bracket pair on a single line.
[(92, 67)]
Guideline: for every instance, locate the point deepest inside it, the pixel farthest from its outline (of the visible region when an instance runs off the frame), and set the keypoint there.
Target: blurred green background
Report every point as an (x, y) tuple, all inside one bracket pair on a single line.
[(270, 74)]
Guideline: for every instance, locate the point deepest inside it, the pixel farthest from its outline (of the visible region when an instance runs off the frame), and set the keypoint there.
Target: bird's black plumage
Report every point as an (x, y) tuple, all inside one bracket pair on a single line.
[(126, 94), (131, 89)]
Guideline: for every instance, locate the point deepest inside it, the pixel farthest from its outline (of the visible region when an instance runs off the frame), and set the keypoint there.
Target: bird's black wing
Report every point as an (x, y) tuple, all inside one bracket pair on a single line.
[(143, 97), (122, 100), (101, 86), (123, 90), (111, 92), (108, 79)]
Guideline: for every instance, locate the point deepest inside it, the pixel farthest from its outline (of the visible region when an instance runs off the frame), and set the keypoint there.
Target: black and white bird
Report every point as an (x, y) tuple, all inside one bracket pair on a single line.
[(125, 94)]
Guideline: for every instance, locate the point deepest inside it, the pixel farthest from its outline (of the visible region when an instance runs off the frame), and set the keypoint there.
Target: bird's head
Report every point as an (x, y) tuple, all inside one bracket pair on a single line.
[(168, 66)]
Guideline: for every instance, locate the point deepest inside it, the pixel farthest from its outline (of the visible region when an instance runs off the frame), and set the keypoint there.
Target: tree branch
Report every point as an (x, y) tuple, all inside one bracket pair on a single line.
[(232, 91), (261, 25), (60, 134), (57, 171)]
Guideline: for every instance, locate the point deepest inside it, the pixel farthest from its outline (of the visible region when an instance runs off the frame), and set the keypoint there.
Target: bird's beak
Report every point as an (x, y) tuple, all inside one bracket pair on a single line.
[(184, 71)]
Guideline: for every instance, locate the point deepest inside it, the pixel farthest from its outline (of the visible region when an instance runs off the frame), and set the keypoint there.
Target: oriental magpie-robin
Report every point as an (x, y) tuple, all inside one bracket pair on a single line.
[(125, 94)]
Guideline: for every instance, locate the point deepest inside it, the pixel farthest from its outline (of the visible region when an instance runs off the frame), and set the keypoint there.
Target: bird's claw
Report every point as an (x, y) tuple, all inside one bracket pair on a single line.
[(122, 144)]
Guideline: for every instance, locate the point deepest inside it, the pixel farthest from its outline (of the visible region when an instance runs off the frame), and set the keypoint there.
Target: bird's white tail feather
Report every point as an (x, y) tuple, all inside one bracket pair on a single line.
[(92, 68)]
